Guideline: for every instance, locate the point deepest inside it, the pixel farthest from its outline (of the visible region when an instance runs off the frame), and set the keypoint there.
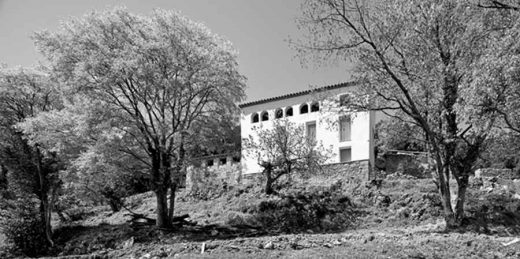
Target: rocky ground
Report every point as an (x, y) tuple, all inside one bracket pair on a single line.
[(399, 217), (424, 241)]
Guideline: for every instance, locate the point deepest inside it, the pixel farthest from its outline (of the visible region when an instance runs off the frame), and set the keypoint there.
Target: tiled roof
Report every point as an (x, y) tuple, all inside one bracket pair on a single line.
[(281, 97)]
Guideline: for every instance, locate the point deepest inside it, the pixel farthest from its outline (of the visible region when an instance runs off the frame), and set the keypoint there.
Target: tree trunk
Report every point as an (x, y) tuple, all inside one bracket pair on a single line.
[(444, 191), (178, 174), (3, 178), (171, 209), (115, 205), (459, 201), (162, 208), (45, 214), (161, 183), (268, 180), (45, 217)]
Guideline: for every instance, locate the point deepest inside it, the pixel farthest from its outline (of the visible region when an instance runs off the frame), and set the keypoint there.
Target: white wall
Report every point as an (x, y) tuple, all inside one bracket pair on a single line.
[(327, 126)]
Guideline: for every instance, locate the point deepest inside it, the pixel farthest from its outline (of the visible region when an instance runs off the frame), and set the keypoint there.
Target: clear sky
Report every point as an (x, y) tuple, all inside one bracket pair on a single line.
[(259, 29)]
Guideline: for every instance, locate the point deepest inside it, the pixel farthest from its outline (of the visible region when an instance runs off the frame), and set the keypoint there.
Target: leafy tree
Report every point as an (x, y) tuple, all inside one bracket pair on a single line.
[(503, 152), (396, 134), (416, 57), (163, 75), (284, 150), (496, 77), (95, 152), (32, 173), (500, 4)]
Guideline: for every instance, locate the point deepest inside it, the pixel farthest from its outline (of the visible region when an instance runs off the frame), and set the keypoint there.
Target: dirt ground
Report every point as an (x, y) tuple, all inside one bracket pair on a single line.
[(400, 218), (423, 241)]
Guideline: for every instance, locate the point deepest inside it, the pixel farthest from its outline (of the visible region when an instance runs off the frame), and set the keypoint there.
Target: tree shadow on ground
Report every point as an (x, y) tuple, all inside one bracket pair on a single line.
[(224, 232), (492, 213), (497, 221), (78, 240)]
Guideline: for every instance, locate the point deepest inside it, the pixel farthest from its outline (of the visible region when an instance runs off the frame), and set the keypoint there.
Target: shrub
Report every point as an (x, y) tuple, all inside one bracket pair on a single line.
[(211, 190), (70, 208), (25, 230), (321, 209)]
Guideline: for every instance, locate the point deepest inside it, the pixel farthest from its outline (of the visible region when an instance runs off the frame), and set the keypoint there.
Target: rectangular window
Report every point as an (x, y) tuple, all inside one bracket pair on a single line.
[(223, 161), (345, 129), (345, 155), (209, 163), (311, 131)]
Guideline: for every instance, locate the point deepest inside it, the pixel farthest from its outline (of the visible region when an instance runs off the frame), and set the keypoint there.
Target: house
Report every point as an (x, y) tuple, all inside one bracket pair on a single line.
[(326, 117)]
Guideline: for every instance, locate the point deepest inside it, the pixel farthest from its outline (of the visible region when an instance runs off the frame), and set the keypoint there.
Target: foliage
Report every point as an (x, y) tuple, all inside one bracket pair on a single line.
[(23, 229), (283, 150), (394, 134), (417, 57), (496, 76), (500, 4), (206, 185), (31, 171), (165, 78), (502, 152), (319, 209), (82, 134), (70, 207)]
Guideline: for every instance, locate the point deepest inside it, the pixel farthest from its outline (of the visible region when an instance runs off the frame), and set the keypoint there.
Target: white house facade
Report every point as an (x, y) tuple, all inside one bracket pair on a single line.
[(349, 134)]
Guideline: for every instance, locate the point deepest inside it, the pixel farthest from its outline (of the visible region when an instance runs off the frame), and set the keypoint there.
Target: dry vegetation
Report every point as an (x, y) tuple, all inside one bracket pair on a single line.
[(397, 217)]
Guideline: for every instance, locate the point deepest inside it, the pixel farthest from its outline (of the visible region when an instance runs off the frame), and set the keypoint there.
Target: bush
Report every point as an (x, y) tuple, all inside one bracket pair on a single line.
[(212, 190), (70, 208), (25, 230), (321, 209)]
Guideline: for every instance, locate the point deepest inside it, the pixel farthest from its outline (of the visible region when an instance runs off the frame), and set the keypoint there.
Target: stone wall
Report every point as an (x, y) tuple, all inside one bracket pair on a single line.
[(202, 176), (403, 162), (355, 172), (351, 170), (498, 173)]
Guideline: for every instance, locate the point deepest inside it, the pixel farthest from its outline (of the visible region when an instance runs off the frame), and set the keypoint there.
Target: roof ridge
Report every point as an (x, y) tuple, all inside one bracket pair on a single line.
[(294, 94)]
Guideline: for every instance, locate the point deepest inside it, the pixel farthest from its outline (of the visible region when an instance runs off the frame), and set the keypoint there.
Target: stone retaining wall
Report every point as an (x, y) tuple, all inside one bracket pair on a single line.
[(498, 173), (230, 175), (407, 163), (202, 176)]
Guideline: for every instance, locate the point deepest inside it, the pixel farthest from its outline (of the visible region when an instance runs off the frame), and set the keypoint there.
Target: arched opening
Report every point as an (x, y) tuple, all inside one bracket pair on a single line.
[(264, 116), (278, 113), (223, 161), (210, 163), (288, 112), (315, 106), (254, 118), (304, 108)]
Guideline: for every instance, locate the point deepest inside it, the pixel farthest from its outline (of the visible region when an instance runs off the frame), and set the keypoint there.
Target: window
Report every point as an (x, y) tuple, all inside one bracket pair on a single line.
[(236, 159), (223, 161), (304, 108), (278, 113), (315, 107), (254, 118), (288, 112), (265, 116), (344, 100), (345, 129), (345, 155), (209, 163), (311, 131)]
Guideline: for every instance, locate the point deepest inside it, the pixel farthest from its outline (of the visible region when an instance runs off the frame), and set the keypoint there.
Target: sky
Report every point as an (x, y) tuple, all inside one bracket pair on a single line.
[(258, 29)]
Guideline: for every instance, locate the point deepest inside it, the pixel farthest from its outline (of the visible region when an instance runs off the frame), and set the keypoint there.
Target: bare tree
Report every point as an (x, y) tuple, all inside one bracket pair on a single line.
[(283, 150), (415, 57)]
